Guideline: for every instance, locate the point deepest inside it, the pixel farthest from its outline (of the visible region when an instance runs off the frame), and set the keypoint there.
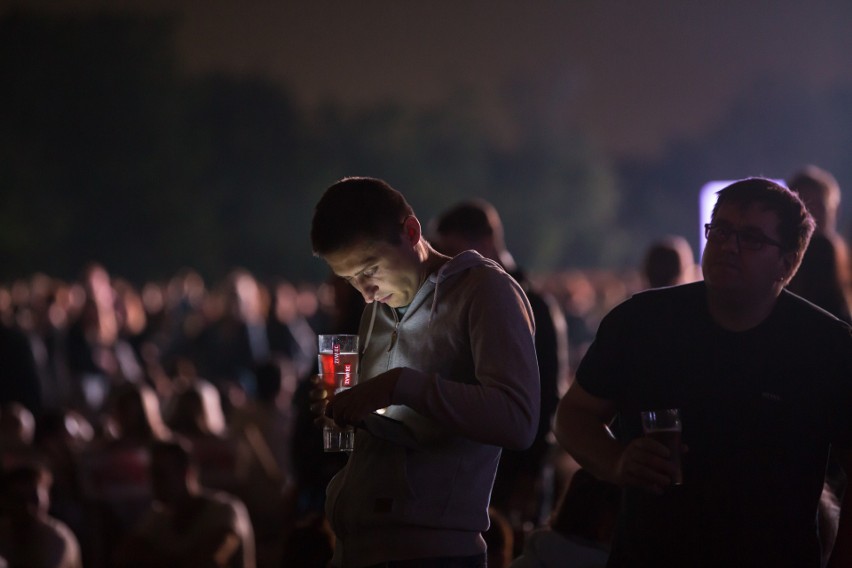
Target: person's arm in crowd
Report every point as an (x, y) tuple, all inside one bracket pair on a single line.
[(582, 429), (841, 554)]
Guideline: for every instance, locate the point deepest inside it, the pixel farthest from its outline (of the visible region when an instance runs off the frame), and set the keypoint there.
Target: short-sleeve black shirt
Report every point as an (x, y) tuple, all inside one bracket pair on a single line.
[(760, 410)]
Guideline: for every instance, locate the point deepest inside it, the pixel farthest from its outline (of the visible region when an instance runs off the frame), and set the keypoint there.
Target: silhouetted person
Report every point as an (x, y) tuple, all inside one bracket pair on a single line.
[(29, 536), (824, 276), (271, 417), (669, 262), (820, 193), (235, 340), (99, 358), (196, 414), (518, 489), (187, 525), (19, 381), (115, 468), (43, 322), (290, 335), (264, 427), (62, 437), (17, 431)]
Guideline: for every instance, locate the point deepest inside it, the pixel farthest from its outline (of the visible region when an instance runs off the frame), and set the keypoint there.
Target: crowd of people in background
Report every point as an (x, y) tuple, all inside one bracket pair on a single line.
[(96, 370), (121, 398)]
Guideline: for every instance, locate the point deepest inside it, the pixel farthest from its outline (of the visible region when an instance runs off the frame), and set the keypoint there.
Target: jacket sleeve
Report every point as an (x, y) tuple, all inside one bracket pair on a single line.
[(501, 406)]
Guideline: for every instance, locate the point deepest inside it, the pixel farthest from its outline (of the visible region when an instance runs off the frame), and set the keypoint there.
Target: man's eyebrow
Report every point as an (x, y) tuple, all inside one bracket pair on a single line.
[(364, 263)]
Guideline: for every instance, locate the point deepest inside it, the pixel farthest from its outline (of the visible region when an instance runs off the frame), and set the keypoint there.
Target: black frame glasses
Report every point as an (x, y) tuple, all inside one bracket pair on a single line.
[(749, 239)]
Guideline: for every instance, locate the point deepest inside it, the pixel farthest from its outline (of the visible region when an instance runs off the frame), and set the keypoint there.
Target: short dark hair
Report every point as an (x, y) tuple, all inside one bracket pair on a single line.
[(665, 261), (357, 208), (817, 180), (469, 219), (795, 225)]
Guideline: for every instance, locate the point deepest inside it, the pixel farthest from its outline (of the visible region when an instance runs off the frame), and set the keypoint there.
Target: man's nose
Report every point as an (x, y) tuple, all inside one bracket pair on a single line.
[(368, 291)]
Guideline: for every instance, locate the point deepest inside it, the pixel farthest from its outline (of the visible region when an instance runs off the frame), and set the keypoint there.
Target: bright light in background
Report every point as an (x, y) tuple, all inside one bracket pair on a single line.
[(707, 199)]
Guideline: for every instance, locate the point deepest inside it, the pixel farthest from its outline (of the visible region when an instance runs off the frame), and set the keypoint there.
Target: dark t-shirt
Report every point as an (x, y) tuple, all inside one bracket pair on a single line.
[(760, 410)]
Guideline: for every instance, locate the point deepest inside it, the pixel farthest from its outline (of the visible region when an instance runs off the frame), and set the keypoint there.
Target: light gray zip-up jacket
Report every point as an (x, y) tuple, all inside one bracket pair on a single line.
[(420, 478)]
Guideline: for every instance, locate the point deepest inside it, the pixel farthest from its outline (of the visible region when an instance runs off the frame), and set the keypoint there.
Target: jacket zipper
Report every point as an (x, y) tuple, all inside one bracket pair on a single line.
[(395, 333)]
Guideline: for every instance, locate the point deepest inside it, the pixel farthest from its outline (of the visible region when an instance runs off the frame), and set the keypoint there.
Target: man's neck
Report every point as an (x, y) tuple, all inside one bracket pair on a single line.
[(430, 261), (740, 314)]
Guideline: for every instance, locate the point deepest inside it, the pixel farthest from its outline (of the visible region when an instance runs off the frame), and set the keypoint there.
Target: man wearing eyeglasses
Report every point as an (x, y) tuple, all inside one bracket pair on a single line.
[(763, 382)]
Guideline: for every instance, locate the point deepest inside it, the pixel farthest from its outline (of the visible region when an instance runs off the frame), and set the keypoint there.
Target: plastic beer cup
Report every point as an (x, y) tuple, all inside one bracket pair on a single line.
[(338, 367), (665, 427)]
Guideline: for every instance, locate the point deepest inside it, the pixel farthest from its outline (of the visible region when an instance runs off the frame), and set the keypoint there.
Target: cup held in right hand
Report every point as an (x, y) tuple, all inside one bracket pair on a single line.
[(665, 426)]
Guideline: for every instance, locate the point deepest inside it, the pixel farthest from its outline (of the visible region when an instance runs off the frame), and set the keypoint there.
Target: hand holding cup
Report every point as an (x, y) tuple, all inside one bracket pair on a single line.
[(664, 427), (338, 368)]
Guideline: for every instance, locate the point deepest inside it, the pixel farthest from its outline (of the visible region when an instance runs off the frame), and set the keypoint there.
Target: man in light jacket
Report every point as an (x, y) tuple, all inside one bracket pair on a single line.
[(448, 359)]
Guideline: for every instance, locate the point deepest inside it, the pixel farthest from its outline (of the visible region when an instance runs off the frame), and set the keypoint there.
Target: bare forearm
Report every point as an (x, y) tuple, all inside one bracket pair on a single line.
[(841, 554), (589, 441), (581, 428)]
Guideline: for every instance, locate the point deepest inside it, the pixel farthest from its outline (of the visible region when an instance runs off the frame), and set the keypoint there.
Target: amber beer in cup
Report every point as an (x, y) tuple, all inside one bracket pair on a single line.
[(665, 427), (338, 367)]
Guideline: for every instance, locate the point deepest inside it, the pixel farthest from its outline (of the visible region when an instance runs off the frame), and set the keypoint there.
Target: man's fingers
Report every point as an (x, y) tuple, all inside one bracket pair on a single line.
[(318, 391), (322, 420), (347, 409), (649, 476), (651, 446), (319, 407), (646, 463)]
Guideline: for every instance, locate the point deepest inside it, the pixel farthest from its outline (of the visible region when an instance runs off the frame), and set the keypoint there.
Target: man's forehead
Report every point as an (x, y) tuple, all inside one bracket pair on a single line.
[(753, 216), (352, 259), (754, 210)]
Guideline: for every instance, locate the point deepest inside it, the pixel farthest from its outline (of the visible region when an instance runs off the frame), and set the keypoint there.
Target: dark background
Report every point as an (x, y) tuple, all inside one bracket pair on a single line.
[(150, 136)]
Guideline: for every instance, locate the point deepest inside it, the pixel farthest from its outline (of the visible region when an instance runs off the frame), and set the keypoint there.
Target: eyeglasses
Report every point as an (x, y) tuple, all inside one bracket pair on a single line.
[(749, 239)]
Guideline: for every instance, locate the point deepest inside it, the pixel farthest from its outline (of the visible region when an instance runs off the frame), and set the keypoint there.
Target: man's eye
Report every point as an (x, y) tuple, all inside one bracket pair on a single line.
[(369, 273), (751, 238)]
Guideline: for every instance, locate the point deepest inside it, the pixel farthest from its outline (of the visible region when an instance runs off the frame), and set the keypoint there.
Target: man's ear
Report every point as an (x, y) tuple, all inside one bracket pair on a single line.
[(789, 261), (411, 229)]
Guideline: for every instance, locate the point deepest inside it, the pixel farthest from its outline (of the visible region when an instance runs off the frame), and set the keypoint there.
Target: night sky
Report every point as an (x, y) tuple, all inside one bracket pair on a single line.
[(632, 75), (602, 120)]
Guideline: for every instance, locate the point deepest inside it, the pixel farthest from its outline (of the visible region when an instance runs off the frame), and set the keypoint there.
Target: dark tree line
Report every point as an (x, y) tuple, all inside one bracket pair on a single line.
[(109, 152)]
